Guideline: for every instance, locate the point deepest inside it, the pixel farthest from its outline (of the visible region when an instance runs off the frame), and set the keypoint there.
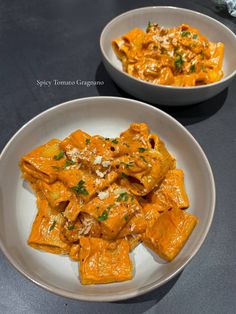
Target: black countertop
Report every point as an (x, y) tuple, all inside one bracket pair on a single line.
[(59, 40)]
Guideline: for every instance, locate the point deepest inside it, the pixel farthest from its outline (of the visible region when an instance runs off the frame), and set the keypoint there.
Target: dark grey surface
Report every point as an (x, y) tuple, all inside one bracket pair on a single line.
[(49, 40)]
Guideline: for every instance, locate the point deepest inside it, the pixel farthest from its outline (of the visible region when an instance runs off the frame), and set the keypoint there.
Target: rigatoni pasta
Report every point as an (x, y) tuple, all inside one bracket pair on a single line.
[(98, 198), (179, 56)]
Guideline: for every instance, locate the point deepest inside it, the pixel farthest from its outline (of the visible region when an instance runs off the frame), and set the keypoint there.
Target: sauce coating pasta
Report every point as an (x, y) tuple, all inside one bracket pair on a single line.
[(98, 198), (179, 56)]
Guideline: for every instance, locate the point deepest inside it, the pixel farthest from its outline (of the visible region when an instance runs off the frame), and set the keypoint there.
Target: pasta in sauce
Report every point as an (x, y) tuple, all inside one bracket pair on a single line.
[(179, 56), (98, 198)]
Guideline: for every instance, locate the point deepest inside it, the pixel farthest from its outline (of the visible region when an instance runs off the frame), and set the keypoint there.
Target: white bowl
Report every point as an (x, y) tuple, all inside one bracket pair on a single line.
[(107, 116), (167, 17)]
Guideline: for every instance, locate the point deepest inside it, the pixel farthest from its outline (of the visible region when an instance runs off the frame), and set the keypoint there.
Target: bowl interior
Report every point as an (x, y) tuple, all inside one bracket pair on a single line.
[(107, 116), (170, 17)]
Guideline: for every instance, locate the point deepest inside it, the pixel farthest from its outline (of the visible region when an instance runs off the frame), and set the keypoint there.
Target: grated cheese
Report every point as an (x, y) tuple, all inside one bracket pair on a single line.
[(100, 174), (97, 160), (103, 195), (73, 154), (97, 181), (106, 163)]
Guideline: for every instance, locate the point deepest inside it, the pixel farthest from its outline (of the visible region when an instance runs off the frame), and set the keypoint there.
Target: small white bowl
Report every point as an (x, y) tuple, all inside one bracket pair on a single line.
[(167, 17), (107, 116)]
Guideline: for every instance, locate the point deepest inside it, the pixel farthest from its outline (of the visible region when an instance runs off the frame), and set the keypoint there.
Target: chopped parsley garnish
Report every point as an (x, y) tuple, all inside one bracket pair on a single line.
[(179, 62), (56, 167), (128, 164), (87, 141), (105, 213), (70, 227), (148, 26), (185, 33), (124, 175), (192, 68), (69, 163), (195, 36), (123, 197), (143, 158), (80, 188), (115, 142), (132, 198), (141, 149), (59, 156), (126, 217), (103, 216), (140, 198), (52, 225)]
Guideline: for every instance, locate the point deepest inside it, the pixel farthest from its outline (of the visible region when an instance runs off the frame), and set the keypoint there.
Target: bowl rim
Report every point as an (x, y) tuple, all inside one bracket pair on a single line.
[(168, 87), (149, 287)]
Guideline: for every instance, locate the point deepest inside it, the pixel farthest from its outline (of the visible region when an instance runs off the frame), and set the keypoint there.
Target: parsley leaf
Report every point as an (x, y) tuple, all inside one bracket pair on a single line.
[(141, 149), (103, 216), (124, 175), (70, 227), (192, 68), (185, 33), (123, 197), (69, 163), (143, 158), (52, 225), (87, 141), (126, 217), (148, 26), (179, 62), (195, 36), (80, 188), (59, 156), (115, 142)]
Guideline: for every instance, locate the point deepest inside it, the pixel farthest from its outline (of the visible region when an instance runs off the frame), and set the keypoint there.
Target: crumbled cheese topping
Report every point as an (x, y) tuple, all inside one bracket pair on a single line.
[(97, 181), (87, 224), (106, 163), (73, 154), (132, 228), (103, 195), (97, 160), (100, 174)]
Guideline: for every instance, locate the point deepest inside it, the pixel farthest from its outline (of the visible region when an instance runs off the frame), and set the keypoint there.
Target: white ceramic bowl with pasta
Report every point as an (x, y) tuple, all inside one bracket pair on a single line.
[(167, 17), (107, 116)]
